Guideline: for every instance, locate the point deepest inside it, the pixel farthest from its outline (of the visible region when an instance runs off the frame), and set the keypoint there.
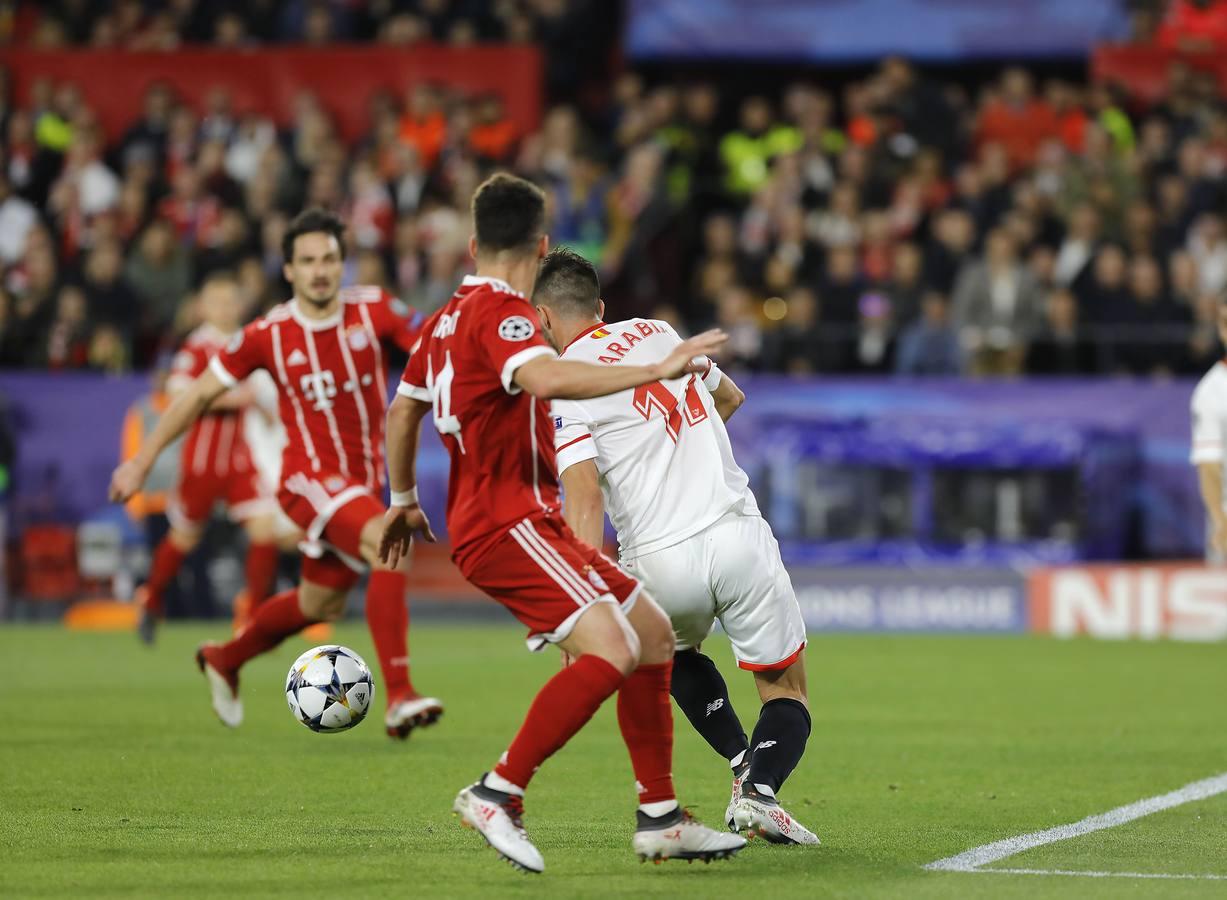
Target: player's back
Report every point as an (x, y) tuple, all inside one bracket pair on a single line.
[(666, 464), (500, 439)]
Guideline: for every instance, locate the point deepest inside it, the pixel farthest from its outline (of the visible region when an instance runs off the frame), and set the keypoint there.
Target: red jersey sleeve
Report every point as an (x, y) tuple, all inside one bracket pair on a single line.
[(413, 379), (396, 322), (508, 336), (243, 355)]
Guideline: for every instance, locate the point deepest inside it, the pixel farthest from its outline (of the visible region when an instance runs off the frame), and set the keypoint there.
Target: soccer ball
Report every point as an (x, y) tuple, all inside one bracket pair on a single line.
[(329, 688)]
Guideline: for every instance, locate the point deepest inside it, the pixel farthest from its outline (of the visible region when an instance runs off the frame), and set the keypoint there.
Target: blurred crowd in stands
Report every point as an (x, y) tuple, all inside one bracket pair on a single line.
[(897, 223)]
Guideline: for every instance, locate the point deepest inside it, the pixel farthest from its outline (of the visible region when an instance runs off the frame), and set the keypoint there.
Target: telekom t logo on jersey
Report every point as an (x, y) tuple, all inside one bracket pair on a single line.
[(319, 388)]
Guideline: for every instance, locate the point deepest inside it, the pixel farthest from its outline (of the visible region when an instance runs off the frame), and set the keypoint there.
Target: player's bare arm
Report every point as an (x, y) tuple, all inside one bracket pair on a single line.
[(189, 406), (560, 379), (727, 397), (405, 518), (1210, 480), (583, 504)]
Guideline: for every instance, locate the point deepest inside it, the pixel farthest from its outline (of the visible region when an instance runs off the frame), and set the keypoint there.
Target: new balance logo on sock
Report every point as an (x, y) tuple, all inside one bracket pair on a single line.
[(715, 706), (764, 745), (639, 788)]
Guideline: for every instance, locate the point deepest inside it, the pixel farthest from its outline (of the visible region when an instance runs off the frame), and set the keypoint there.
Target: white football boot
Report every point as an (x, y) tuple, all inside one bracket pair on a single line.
[(415, 712), (739, 777), (677, 835), (499, 818), (224, 688), (757, 812)]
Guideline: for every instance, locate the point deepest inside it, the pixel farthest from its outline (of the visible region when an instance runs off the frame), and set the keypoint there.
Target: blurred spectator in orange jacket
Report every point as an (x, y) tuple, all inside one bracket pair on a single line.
[(1017, 120)]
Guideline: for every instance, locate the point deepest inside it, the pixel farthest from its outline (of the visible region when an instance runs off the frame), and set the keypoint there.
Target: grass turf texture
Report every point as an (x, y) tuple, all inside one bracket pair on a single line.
[(116, 780)]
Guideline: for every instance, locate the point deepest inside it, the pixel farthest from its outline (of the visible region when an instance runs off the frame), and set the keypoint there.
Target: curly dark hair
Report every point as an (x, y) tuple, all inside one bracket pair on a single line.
[(310, 221)]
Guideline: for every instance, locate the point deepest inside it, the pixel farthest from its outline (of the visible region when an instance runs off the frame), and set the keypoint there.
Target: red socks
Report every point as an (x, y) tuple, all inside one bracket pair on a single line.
[(167, 559), (645, 716), (275, 620), (561, 708), (387, 616), (261, 571)]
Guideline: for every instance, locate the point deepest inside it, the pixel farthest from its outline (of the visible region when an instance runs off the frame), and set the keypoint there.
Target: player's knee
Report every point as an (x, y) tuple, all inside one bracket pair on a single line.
[(184, 541), (261, 529), (657, 640), (623, 655), (322, 606)]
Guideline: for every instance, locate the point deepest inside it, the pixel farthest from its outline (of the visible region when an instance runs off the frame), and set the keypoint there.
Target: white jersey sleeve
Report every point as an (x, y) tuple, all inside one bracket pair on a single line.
[(1209, 415), (572, 434)]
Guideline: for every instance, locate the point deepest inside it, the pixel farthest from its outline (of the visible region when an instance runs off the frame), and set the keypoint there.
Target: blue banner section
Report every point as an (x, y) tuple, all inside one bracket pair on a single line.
[(852, 30), (902, 471), (972, 601)]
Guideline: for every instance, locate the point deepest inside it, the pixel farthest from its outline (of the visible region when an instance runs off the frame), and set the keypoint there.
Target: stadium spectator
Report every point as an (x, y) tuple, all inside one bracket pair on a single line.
[(1060, 347), (1017, 120), (930, 345), (1196, 25), (17, 218), (796, 346), (892, 193), (747, 152), (996, 307)]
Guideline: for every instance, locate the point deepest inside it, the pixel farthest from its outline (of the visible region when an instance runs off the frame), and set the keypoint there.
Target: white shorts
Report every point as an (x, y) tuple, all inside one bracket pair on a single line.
[(731, 571)]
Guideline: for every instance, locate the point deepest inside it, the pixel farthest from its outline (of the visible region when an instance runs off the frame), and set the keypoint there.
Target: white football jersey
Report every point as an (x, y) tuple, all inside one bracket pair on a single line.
[(664, 457), (1209, 414)]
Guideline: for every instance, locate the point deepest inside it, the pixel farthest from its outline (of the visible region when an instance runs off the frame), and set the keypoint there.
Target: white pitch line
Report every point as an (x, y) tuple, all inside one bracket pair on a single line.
[(972, 860), (1180, 877)]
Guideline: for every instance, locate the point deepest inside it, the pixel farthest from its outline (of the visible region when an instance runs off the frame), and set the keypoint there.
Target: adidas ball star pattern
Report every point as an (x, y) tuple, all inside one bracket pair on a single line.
[(329, 688)]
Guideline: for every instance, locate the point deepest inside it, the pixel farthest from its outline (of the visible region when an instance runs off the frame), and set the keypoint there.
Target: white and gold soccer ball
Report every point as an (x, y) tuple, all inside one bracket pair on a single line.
[(329, 688)]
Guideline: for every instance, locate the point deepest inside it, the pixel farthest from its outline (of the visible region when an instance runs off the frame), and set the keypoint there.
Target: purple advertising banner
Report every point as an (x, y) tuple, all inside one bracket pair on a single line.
[(67, 430), (888, 599), (849, 30)]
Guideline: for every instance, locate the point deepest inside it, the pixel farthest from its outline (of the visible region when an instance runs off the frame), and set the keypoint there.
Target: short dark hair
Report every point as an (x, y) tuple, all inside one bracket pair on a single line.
[(568, 283), (219, 276), (508, 214), (310, 221)]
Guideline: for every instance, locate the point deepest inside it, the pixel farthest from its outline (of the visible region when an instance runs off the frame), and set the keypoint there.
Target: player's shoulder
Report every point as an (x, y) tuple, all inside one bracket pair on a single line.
[(1211, 390), (282, 312)]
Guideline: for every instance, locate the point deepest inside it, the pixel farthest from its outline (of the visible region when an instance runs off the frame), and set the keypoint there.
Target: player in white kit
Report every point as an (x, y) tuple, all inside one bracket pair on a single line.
[(1209, 414), (658, 460)]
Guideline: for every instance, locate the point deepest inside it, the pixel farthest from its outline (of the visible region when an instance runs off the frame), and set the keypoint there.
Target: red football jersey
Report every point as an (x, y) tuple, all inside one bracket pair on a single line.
[(501, 440), (330, 374), (215, 445)]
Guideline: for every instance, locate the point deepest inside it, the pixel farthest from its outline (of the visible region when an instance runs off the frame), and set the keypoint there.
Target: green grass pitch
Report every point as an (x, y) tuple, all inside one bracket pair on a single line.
[(116, 780)]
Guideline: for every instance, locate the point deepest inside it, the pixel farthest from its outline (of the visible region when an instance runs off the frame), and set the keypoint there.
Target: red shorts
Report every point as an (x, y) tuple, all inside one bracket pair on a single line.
[(547, 578), (331, 510), (194, 497)]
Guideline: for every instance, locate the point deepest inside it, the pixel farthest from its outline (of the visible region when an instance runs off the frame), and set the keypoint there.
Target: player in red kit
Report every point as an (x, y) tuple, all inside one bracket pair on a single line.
[(487, 374), (215, 465), (323, 348)]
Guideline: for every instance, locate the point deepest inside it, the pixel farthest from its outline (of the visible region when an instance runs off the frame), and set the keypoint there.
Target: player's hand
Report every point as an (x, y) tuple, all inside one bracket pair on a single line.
[(687, 356), (126, 480), (400, 524)]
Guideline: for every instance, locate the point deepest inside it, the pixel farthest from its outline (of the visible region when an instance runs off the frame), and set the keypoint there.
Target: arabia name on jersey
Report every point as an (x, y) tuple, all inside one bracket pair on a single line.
[(215, 445), (331, 382), (500, 439), (666, 465)]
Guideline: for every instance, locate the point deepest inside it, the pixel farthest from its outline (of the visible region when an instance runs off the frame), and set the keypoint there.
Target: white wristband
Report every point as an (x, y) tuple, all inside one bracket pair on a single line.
[(405, 498)]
